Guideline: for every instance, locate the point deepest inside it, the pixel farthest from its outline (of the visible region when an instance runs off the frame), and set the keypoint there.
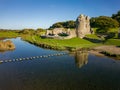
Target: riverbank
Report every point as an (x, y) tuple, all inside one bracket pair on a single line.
[(69, 44), (107, 50), (8, 34), (75, 44), (59, 44)]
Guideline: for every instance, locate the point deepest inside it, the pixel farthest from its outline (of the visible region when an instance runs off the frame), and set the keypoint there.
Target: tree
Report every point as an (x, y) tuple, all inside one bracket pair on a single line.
[(40, 31), (117, 16), (57, 25), (104, 23), (92, 22), (27, 31), (67, 24)]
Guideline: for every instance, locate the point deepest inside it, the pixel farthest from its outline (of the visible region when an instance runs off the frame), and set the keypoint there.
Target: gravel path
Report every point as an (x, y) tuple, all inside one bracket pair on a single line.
[(110, 49)]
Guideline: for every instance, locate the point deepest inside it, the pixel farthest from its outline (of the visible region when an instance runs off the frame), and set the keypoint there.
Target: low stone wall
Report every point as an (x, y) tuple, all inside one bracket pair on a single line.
[(54, 34), (6, 45)]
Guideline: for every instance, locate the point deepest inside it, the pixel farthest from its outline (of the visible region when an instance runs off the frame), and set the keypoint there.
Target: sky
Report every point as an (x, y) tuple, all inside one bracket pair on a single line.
[(21, 14)]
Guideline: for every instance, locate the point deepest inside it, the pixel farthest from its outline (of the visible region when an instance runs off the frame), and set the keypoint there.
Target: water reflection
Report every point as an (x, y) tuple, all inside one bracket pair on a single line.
[(81, 58), (59, 72)]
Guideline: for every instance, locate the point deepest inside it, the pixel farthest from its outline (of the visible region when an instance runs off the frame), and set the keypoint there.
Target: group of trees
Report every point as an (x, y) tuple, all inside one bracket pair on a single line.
[(117, 17), (103, 23), (67, 24), (32, 31)]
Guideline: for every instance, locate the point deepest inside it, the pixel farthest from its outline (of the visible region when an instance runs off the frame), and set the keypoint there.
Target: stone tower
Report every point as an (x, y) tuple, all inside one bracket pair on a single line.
[(82, 26)]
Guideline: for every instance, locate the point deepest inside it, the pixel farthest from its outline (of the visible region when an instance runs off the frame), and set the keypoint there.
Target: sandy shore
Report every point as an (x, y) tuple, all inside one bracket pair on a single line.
[(111, 51)]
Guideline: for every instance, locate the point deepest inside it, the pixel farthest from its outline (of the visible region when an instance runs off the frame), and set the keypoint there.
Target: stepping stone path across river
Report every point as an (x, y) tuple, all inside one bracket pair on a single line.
[(31, 58)]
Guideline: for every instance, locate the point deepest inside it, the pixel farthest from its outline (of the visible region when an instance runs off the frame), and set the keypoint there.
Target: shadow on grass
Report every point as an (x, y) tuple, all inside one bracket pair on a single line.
[(93, 40), (116, 56), (118, 46)]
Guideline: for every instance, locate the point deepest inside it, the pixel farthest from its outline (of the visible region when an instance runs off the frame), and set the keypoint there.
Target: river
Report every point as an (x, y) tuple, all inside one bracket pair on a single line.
[(82, 71)]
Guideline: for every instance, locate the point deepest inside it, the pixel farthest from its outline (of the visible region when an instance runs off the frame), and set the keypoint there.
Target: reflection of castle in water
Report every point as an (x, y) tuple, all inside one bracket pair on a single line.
[(81, 58)]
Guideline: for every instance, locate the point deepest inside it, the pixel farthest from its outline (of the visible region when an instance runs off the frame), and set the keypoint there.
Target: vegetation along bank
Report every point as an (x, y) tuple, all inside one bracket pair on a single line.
[(106, 32)]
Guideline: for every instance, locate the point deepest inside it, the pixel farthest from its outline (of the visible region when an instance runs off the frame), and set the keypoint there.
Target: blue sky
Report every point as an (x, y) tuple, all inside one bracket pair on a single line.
[(20, 14)]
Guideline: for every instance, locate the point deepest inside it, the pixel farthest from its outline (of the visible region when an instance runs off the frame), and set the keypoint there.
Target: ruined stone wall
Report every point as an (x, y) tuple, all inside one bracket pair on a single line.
[(48, 32), (56, 31), (72, 33)]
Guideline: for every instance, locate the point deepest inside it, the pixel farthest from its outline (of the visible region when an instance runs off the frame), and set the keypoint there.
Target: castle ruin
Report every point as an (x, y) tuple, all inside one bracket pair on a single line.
[(82, 28)]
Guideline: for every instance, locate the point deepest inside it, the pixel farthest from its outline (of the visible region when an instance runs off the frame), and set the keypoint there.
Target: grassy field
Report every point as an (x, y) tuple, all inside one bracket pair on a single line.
[(115, 42), (93, 36), (8, 34), (70, 44)]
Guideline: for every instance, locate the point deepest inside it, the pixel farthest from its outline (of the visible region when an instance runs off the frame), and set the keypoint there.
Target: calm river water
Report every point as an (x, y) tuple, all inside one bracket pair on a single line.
[(82, 71)]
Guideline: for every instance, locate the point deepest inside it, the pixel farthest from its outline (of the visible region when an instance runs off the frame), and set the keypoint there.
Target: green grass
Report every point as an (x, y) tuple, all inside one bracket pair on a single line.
[(92, 36), (110, 30), (94, 29), (113, 30), (74, 43), (8, 34), (113, 42)]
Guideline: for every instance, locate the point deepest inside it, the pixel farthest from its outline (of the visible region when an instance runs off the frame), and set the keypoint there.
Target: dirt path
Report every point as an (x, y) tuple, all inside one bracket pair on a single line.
[(110, 49)]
